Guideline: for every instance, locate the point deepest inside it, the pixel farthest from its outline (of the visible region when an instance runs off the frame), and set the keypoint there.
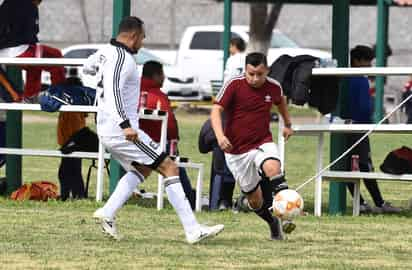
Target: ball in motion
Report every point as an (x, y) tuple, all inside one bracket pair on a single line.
[(287, 204)]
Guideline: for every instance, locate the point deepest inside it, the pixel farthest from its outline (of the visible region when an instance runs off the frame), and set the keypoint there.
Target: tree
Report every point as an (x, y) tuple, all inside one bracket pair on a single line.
[(83, 14), (261, 25)]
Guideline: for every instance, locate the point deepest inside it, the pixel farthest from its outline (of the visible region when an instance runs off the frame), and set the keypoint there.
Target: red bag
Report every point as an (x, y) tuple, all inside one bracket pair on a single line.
[(38, 191)]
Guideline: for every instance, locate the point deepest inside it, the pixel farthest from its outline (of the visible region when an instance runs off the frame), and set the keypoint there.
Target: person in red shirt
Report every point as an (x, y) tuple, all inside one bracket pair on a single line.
[(250, 152), (152, 97), (151, 82)]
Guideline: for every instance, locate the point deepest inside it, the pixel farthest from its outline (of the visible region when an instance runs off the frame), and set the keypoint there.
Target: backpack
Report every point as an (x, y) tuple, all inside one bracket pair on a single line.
[(38, 191), (84, 140), (398, 161)]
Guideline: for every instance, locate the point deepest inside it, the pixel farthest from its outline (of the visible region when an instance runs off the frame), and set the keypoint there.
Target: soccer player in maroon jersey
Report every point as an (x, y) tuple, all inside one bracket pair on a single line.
[(250, 152)]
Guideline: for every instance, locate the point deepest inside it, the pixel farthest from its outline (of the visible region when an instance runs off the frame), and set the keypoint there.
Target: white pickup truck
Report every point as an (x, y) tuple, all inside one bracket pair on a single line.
[(200, 52)]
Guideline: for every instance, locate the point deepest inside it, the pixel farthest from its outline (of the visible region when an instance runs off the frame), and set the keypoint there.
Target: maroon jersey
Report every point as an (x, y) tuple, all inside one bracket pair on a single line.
[(247, 111)]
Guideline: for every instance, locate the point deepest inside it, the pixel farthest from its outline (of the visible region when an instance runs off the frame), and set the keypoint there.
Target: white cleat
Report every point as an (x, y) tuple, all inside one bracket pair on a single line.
[(108, 225), (204, 232)]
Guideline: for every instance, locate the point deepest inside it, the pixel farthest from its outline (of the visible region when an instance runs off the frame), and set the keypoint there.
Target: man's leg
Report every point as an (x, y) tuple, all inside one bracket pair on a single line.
[(64, 178), (187, 187), (365, 165), (255, 200), (122, 193), (124, 189), (270, 168), (78, 191), (194, 231)]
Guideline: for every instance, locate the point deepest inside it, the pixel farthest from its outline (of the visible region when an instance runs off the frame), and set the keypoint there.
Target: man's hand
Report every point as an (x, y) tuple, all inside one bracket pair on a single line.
[(131, 134), (287, 132), (224, 143)]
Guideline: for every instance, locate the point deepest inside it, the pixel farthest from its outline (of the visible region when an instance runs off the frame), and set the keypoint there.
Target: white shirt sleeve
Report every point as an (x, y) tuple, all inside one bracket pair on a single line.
[(234, 66)]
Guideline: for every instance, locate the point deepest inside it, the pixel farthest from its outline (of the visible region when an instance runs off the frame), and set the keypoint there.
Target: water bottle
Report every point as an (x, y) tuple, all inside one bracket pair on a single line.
[(143, 100), (355, 163)]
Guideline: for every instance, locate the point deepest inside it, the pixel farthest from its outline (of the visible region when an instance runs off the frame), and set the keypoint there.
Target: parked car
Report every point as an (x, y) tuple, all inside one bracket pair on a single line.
[(200, 51), (177, 86)]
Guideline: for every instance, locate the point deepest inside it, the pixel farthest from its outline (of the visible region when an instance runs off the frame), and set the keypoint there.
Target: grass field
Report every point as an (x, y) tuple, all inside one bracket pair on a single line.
[(62, 235)]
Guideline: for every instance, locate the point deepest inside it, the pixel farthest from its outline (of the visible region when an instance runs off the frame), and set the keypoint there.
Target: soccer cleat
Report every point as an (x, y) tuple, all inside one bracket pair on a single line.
[(276, 231), (365, 208), (108, 225), (388, 208), (203, 232), (288, 226)]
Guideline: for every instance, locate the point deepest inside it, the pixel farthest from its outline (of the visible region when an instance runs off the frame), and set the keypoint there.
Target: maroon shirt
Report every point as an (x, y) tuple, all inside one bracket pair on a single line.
[(247, 111)]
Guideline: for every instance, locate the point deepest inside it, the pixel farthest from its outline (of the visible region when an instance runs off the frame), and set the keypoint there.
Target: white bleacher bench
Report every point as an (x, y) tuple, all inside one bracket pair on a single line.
[(186, 163), (355, 177), (50, 153), (101, 155), (319, 130)]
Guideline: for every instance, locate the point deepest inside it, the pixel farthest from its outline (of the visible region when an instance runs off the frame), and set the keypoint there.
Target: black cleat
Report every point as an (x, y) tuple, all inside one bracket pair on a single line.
[(276, 231), (288, 226)]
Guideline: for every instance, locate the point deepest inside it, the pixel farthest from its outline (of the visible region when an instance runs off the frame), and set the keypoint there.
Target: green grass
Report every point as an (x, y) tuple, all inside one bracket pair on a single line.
[(61, 235)]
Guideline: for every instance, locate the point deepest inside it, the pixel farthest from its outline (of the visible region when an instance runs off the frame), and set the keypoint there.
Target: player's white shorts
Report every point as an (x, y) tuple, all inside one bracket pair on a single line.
[(144, 152), (246, 167)]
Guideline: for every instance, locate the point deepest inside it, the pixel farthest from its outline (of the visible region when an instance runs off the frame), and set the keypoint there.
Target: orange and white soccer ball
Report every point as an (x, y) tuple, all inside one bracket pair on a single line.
[(287, 204)]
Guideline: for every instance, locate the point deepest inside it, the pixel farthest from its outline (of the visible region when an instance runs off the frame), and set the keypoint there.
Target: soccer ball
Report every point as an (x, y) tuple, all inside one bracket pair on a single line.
[(287, 204)]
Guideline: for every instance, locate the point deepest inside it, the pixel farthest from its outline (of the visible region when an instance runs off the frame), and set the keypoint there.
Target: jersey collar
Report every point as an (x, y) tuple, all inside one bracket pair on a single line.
[(116, 43)]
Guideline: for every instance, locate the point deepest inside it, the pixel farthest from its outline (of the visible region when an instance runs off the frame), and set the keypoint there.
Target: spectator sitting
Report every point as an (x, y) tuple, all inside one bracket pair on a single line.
[(153, 98), (222, 182), (70, 170), (19, 26), (361, 113)]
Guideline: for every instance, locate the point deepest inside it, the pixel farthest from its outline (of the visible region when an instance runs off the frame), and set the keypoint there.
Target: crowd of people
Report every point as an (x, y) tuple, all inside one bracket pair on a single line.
[(238, 131)]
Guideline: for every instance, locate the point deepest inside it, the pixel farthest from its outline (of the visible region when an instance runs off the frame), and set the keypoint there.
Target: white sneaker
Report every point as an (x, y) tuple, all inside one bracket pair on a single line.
[(203, 232), (108, 225)]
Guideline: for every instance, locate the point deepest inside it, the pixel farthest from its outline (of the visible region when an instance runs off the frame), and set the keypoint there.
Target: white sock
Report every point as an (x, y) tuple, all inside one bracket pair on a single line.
[(122, 193), (180, 203)]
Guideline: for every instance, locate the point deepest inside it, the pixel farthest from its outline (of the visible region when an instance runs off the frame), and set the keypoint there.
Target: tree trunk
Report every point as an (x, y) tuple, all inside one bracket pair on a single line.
[(82, 4), (261, 26)]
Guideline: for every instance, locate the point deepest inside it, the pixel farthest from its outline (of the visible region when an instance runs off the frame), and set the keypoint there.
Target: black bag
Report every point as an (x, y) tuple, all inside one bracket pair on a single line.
[(398, 161), (84, 140), (3, 185)]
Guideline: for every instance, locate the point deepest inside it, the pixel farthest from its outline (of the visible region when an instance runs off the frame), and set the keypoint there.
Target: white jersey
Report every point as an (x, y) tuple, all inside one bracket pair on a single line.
[(118, 88), (235, 66)]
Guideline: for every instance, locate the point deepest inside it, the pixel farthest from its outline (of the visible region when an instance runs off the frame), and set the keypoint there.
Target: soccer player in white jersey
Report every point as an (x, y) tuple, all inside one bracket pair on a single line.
[(118, 129)]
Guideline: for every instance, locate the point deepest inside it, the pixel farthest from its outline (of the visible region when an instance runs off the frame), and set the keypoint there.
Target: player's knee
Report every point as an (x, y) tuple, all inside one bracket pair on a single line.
[(271, 168), (170, 168)]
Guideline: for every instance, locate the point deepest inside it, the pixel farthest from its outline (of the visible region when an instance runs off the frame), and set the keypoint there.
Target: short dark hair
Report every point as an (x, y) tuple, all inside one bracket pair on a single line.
[(239, 43), (255, 59), (362, 52), (130, 24), (151, 68)]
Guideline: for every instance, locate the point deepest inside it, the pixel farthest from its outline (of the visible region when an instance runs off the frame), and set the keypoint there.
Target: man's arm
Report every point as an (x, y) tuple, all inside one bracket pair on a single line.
[(283, 110), (216, 120)]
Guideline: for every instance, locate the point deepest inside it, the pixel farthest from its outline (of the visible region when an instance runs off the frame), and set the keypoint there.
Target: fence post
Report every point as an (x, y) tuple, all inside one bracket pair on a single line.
[(121, 8), (14, 136)]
